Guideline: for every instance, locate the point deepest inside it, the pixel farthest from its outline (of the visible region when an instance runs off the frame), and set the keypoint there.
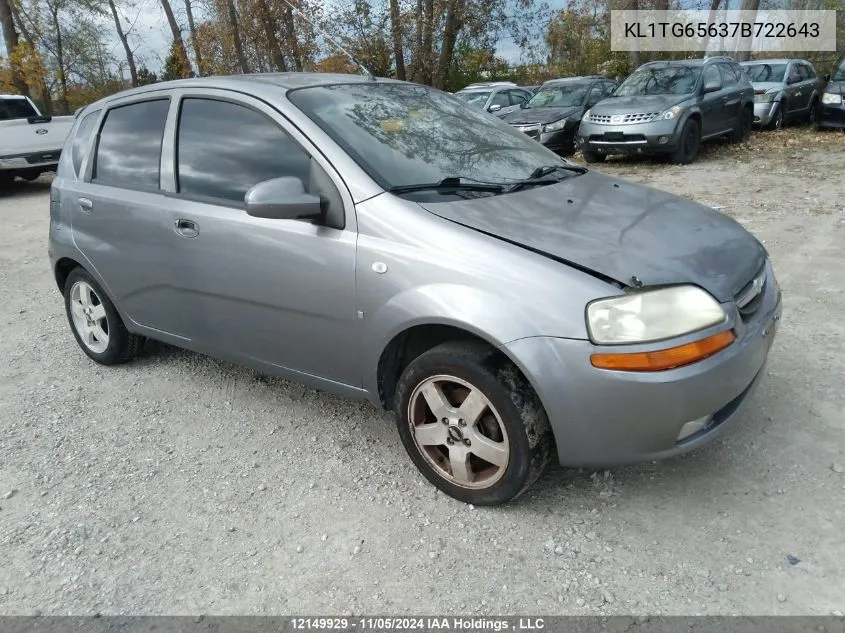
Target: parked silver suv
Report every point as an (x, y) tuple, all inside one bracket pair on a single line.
[(669, 108), (381, 240), (784, 90), (497, 97)]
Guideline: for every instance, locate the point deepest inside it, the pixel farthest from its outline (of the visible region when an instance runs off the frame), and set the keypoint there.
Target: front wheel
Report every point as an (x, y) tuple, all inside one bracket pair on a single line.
[(472, 424), (813, 113), (688, 146), (593, 157)]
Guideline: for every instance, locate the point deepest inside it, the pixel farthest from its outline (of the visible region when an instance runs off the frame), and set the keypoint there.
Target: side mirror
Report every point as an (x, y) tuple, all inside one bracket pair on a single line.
[(282, 199), (826, 77), (494, 108), (39, 119), (711, 86)]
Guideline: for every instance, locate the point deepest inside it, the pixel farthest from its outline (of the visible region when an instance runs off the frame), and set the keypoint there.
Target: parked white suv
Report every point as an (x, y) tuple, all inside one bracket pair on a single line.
[(30, 143)]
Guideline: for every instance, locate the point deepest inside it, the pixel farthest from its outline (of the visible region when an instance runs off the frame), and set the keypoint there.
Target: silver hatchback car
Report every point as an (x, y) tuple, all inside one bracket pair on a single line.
[(382, 240)]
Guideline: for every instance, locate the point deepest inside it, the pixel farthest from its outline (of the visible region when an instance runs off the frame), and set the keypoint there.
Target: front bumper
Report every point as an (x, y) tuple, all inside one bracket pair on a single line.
[(651, 137), (763, 112), (606, 418), (556, 141), (831, 115)]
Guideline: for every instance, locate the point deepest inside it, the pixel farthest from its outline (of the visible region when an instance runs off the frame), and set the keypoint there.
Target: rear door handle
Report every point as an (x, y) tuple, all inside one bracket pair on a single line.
[(187, 228), (85, 204)]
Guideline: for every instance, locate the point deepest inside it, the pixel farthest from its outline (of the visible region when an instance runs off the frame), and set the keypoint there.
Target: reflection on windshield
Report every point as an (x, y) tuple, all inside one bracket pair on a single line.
[(474, 98), (403, 134), (675, 80), (758, 73), (559, 97)]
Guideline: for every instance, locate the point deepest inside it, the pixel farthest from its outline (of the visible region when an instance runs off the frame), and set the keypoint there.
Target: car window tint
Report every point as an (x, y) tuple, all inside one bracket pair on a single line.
[(80, 141), (794, 73), (609, 88), (728, 75), (596, 94), (129, 145), (500, 98), (15, 108), (517, 97), (712, 75), (810, 72), (224, 148)]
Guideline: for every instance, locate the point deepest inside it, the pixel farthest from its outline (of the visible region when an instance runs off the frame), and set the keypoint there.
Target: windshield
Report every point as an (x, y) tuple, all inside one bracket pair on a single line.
[(839, 75), (559, 96), (15, 109), (474, 97), (758, 73), (403, 134), (672, 80)]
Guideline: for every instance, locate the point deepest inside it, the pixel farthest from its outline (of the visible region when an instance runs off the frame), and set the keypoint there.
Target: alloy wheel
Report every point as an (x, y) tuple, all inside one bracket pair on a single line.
[(89, 317), (458, 431)]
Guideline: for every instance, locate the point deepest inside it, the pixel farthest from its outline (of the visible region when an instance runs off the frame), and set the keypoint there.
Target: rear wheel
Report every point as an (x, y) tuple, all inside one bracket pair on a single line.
[(742, 131), (688, 146), (593, 157), (813, 113), (95, 323), (6, 179), (472, 424)]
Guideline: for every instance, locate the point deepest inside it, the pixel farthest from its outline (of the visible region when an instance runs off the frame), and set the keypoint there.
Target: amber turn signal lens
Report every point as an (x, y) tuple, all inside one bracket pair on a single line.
[(665, 358)]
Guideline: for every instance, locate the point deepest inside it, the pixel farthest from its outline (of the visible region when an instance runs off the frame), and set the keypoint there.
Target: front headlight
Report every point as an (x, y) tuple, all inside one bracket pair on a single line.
[(831, 99), (652, 315), (766, 97), (671, 113), (587, 114), (555, 127)]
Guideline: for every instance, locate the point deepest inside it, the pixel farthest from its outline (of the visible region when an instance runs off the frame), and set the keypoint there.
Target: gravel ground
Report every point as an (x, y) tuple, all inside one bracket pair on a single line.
[(178, 484)]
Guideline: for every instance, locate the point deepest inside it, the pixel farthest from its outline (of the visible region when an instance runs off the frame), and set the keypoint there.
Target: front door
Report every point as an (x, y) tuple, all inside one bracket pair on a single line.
[(277, 291), (712, 106)]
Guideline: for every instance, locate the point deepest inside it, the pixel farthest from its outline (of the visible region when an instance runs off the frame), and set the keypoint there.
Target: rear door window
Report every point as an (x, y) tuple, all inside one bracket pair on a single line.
[(728, 75), (80, 141), (225, 148), (15, 109), (129, 145), (500, 98)]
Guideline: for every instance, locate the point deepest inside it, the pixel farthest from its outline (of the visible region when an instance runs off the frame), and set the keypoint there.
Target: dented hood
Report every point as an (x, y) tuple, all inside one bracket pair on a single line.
[(619, 230)]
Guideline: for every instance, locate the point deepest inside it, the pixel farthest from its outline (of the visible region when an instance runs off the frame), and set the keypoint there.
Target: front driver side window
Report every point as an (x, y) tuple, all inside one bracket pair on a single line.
[(224, 148), (500, 98), (712, 77)]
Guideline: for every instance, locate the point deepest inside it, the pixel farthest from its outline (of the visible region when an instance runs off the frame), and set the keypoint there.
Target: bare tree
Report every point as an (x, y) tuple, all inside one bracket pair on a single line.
[(175, 31), (268, 21), (236, 35), (751, 7), (192, 30), (454, 23), (121, 34), (396, 32)]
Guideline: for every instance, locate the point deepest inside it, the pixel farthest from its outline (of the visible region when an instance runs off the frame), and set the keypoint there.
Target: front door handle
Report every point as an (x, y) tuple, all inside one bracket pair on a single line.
[(85, 204), (187, 228)]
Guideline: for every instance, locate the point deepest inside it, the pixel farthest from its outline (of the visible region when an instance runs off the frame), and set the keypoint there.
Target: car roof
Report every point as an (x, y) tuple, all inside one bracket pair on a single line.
[(12, 97), (263, 83), (574, 80), (773, 61), (693, 61)]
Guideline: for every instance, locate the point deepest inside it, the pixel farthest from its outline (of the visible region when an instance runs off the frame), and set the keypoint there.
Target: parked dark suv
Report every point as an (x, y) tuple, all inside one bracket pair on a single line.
[(669, 107), (553, 114), (832, 110)]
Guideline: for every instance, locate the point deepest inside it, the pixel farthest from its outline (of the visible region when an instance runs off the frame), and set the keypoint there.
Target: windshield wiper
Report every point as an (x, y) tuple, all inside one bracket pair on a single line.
[(540, 176), (452, 183)]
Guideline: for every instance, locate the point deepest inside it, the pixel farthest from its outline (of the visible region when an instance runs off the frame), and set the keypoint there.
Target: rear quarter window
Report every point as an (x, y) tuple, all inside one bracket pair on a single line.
[(81, 139)]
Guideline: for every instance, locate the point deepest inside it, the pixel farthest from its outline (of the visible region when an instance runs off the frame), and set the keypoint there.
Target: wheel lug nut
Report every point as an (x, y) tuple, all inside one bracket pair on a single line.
[(450, 441), (445, 420), (462, 423), (467, 442)]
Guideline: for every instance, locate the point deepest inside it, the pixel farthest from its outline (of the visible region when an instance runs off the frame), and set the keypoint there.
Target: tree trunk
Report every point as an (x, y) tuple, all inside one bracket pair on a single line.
[(711, 17), (418, 42), (10, 37), (236, 36), (293, 43), (46, 97), (176, 32), (192, 30), (396, 30), (454, 24), (636, 57), (60, 57), (277, 59), (426, 52), (130, 57), (751, 7)]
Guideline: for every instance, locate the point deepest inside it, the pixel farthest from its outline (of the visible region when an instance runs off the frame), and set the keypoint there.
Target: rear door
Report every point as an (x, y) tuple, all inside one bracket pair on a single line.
[(732, 95), (711, 104), (117, 213), (794, 92)]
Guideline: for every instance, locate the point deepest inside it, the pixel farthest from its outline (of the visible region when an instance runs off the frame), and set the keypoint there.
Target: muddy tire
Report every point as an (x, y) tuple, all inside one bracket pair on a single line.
[(593, 157), (777, 118), (742, 131), (472, 424), (688, 145)]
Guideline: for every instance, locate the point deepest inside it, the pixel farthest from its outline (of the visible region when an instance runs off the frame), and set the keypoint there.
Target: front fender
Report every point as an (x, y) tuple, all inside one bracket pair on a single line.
[(476, 311)]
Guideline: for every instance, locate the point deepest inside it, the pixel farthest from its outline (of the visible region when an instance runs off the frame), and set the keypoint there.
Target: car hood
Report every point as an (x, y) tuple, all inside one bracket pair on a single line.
[(762, 86), (540, 115), (835, 87), (647, 103), (619, 230)]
